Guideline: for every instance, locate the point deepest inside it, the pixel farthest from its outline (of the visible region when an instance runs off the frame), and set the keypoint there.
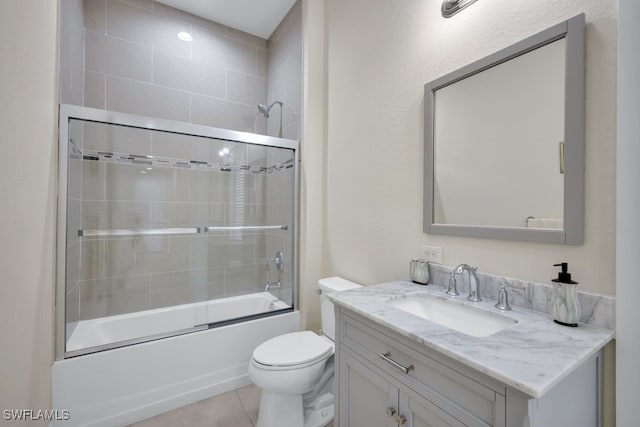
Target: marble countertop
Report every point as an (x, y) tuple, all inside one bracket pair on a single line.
[(531, 356)]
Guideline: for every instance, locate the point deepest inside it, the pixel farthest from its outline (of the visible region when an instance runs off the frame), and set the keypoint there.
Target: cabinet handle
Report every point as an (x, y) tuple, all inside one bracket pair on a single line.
[(401, 419), (391, 411), (387, 357)]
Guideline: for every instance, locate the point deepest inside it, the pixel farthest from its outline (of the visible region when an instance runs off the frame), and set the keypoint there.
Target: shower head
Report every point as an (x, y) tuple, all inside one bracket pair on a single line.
[(264, 109)]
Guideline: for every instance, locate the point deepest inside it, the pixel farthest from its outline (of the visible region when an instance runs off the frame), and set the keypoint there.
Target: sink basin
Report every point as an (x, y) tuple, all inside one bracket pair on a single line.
[(453, 314)]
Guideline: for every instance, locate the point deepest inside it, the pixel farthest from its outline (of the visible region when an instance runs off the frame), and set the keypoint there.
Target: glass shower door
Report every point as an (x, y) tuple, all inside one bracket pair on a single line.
[(170, 233)]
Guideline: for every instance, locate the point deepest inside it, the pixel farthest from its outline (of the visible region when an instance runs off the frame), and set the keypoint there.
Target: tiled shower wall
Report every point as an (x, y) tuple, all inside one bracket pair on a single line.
[(284, 67), (71, 52), (284, 70), (135, 63)]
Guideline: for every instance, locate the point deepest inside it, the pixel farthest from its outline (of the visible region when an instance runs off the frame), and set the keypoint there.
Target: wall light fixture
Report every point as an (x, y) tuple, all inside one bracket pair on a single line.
[(451, 7)]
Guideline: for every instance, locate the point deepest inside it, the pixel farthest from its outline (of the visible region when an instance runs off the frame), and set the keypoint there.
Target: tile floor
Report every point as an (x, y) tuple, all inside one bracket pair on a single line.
[(237, 408)]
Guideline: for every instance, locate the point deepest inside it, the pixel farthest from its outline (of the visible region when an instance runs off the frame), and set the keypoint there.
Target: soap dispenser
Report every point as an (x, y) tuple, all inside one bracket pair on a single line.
[(565, 309)]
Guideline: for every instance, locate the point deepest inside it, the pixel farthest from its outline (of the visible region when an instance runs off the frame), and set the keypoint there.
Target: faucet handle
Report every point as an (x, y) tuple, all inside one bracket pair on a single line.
[(503, 297), (452, 290)]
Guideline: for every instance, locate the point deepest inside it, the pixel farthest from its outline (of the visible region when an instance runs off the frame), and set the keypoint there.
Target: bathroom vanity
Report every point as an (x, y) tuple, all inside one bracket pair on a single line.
[(395, 367)]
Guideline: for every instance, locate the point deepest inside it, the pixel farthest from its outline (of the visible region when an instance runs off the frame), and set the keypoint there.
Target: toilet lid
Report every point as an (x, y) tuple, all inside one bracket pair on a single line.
[(296, 348)]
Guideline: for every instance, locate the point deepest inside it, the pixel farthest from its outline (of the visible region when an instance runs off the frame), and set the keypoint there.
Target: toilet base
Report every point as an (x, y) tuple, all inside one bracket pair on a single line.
[(277, 410), (319, 417)]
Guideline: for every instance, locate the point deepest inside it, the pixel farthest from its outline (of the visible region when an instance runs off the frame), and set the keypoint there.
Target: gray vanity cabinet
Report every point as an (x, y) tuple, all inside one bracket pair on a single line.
[(370, 400), (385, 379), (374, 390)]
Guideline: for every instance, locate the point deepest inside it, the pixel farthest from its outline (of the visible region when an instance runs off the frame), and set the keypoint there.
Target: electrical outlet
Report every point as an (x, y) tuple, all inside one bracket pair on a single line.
[(432, 253)]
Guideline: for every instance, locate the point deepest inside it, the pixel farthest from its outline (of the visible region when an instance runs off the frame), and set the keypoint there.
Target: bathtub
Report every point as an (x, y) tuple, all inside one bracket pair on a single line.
[(128, 384), (127, 328)]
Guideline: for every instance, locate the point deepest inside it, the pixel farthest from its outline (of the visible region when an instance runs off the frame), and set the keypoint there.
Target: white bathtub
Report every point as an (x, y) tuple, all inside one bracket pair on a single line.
[(150, 323), (127, 384)]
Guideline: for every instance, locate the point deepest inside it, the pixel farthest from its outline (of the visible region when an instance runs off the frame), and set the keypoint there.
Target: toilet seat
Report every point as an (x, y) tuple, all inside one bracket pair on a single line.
[(295, 350)]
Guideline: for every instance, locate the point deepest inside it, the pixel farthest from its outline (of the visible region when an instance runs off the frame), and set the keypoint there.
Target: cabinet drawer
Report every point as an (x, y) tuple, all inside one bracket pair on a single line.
[(478, 403)]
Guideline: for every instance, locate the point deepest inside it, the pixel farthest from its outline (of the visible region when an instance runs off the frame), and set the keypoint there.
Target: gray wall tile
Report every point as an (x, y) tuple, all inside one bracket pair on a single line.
[(247, 38), (142, 26), (117, 57), (284, 65), (109, 297), (74, 178), (111, 214), (130, 96), (71, 55), (91, 259), (223, 114), (145, 4), (197, 75), (73, 265), (244, 279), (117, 139), (72, 305), (176, 288), (95, 15), (94, 94), (176, 14), (187, 147), (93, 180), (209, 186), (74, 219), (159, 184), (245, 88)]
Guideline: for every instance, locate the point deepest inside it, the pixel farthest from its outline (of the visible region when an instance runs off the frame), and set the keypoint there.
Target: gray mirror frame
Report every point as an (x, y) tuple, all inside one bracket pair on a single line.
[(573, 31)]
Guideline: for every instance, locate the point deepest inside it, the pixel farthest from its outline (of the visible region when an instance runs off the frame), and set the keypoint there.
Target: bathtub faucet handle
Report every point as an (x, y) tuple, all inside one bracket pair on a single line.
[(278, 261)]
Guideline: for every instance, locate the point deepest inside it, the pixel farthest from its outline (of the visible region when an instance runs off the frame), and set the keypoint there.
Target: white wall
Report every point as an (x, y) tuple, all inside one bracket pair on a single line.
[(28, 121), (628, 206), (313, 150), (380, 56)]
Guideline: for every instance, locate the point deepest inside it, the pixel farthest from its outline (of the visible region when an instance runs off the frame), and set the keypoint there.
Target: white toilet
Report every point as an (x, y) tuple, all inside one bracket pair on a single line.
[(295, 371)]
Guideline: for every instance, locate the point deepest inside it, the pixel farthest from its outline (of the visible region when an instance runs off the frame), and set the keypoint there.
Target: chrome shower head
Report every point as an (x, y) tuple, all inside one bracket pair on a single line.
[(264, 109)]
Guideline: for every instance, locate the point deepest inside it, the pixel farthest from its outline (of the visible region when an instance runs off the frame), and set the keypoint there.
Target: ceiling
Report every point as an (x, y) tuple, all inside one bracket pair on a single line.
[(257, 17)]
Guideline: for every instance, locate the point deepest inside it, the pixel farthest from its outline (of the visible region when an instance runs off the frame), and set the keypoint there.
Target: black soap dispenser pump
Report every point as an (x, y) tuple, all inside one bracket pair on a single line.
[(565, 308)]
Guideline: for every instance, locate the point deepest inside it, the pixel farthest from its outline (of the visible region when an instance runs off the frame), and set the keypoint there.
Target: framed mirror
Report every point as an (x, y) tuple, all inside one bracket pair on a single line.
[(504, 142)]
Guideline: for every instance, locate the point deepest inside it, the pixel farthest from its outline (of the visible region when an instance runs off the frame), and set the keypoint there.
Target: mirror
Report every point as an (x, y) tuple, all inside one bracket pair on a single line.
[(504, 142)]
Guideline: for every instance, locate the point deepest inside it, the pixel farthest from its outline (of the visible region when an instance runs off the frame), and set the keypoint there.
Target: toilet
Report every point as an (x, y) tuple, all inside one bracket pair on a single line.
[(295, 371)]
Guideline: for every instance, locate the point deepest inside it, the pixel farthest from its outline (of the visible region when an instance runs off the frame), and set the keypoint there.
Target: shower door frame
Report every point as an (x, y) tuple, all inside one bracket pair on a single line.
[(68, 112)]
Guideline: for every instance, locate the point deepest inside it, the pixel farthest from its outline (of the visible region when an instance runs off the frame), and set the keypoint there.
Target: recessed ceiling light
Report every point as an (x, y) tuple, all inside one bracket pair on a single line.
[(183, 35)]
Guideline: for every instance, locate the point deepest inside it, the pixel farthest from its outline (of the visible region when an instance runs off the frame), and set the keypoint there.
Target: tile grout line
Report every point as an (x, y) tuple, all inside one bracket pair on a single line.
[(243, 407)]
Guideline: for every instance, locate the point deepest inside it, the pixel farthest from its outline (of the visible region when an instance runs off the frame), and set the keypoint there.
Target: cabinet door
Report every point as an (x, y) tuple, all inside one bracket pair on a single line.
[(365, 396), (420, 412)]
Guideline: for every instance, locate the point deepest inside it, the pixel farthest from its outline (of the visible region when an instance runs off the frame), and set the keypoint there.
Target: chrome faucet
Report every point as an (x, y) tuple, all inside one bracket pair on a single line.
[(278, 262), (474, 283)]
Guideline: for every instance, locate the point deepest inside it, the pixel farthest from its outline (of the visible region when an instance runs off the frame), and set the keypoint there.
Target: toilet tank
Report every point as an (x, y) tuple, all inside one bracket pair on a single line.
[(328, 285)]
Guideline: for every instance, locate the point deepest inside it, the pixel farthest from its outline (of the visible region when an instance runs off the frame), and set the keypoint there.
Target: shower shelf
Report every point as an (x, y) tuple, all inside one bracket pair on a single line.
[(169, 231)]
